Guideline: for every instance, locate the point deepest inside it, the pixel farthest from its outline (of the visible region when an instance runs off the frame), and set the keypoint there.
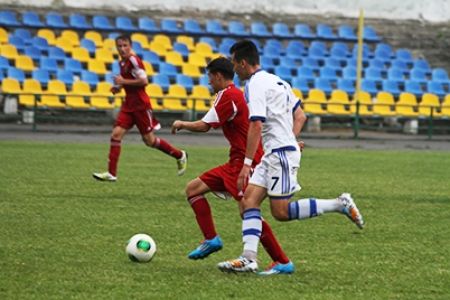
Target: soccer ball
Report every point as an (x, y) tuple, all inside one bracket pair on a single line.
[(141, 248)]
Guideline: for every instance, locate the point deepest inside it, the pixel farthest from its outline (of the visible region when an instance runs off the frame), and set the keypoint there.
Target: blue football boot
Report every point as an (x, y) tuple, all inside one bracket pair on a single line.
[(206, 248)]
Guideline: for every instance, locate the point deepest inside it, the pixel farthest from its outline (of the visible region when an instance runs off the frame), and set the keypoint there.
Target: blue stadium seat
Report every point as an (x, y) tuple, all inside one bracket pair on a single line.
[(401, 65), (440, 75), (79, 21), (369, 86), (43, 76), (193, 27), (89, 45), (289, 62), (281, 30), (295, 49), (325, 32), (329, 74), (382, 55), (311, 63), (317, 53), (8, 18), (395, 74), (301, 84), (284, 73), (413, 87), (56, 53), (423, 65), (4, 64), (346, 85), (168, 69), (305, 73), (170, 26), (349, 72), (181, 48), (115, 68), (215, 27), (125, 24), (237, 28), (24, 34), (373, 74), (370, 35), (347, 33), (334, 64), (101, 23), (49, 64), (148, 25), (275, 43), (271, 51), (151, 57), (73, 65), (436, 87), (376, 63), (418, 75), (338, 53), (304, 31), (137, 48), (259, 29), (33, 52), (185, 81), (267, 63), (40, 43), (391, 87), (257, 44), (162, 80), (90, 77), (65, 76), (15, 73), (31, 19), (204, 80), (209, 40), (17, 42), (366, 52), (55, 20), (324, 85), (405, 55)]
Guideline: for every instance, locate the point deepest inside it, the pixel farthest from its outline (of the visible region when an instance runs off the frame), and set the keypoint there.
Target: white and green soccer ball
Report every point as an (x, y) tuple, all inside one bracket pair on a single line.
[(141, 248)]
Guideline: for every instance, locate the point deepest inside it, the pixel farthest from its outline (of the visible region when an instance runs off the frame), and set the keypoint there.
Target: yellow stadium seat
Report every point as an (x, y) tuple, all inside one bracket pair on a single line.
[(11, 86), (64, 44), (94, 36), (3, 36), (174, 58), (105, 55), (191, 70), (163, 40), (384, 102), (97, 67), (81, 54), (315, 102), (187, 40), (204, 49), (339, 104), (148, 68), (445, 110), (32, 86), (428, 103), (110, 44), (27, 99), (155, 92), (56, 87), (101, 102), (71, 36), (196, 60), (76, 102), (298, 93), (365, 103), (47, 34), (405, 105), (103, 89), (81, 88), (158, 48), (51, 101), (25, 63), (141, 39), (8, 51), (176, 98), (201, 98)]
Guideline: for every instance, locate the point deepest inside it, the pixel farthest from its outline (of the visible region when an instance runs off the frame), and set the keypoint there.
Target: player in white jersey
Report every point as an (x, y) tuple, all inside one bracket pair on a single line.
[(276, 117)]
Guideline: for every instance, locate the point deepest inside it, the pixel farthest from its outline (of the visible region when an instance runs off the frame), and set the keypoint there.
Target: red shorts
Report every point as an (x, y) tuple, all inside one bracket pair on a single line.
[(143, 119), (223, 179)]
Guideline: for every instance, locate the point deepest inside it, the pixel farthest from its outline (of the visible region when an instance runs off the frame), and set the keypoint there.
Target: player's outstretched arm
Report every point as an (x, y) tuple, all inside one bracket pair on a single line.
[(196, 126)]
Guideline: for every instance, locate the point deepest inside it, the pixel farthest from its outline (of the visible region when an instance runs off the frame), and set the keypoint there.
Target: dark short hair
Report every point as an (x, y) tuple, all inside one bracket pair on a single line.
[(221, 65), (124, 37), (247, 50)]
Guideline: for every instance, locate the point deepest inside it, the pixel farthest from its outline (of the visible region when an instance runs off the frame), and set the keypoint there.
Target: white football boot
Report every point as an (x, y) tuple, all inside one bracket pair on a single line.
[(105, 176), (182, 163), (240, 264), (350, 210)]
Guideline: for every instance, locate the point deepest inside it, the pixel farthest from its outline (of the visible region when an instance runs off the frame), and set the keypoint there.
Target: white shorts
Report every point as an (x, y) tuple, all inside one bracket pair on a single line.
[(277, 172)]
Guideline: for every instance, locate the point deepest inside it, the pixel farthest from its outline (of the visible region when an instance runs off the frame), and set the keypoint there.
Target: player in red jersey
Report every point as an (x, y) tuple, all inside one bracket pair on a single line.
[(230, 113), (135, 110)]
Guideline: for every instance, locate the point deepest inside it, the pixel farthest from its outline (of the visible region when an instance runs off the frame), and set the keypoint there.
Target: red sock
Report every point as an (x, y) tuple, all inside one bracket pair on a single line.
[(114, 153), (203, 215), (167, 148), (271, 244)]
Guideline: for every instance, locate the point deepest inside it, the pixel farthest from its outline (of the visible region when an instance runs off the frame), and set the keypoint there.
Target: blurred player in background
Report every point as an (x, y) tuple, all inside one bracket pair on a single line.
[(230, 113), (135, 110), (275, 118)]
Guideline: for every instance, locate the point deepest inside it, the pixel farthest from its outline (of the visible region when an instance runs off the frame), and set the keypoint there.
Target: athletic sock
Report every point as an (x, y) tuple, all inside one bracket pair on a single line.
[(251, 232), (202, 211), (114, 153), (167, 148), (270, 243), (310, 208)]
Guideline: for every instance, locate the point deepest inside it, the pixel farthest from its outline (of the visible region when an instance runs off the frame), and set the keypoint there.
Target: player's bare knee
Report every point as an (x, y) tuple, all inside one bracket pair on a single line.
[(280, 215), (190, 189), (149, 140)]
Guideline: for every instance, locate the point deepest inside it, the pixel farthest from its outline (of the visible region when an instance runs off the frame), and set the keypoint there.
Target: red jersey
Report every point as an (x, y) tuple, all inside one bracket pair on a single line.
[(135, 96), (230, 112)]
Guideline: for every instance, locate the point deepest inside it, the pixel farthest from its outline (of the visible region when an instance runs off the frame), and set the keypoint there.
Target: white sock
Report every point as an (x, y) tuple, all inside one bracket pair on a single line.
[(310, 208), (251, 232)]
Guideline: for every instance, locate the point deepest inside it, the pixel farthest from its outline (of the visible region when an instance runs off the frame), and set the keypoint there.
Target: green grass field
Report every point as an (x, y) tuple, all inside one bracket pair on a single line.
[(63, 235)]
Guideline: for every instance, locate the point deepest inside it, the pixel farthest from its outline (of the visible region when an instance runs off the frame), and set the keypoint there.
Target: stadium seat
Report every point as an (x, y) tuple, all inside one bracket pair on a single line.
[(24, 34), (162, 80), (204, 50), (110, 44), (200, 98), (141, 38), (369, 86), (151, 57), (418, 75), (339, 103), (104, 55), (191, 26), (298, 93), (191, 70), (185, 81), (33, 52), (413, 87), (102, 23), (9, 51), (405, 105), (17, 42), (315, 102), (349, 73), (90, 77), (31, 19), (41, 75), (8, 18), (4, 64), (429, 105), (56, 87), (49, 64), (65, 76), (373, 74), (391, 87), (168, 69), (73, 65), (329, 74), (164, 40), (295, 49), (311, 63), (346, 85), (170, 26), (181, 48), (281, 30), (237, 28), (396, 75), (94, 36), (214, 27), (301, 85), (197, 60), (48, 35), (288, 62), (436, 87), (3, 36), (97, 67), (71, 36), (333, 63), (174, 58), (79, 21), (101, 102), (306, 74), (89, 45), (74, 101), (210, 41), (32, 86), (365, 103), (81, 54), (259, 29), (64, 44), (347, 33), (55, 20), (384, 104), (445, 108), (304, 31), (125, 24), (176, 98), (148, 25), (440, 75), (324, 85), (156, 95), (422, 64), (325, 32), (404, 55), (82, 88), (11, 86), (401, 65), (370, 35), (16, 73), (284, 73)]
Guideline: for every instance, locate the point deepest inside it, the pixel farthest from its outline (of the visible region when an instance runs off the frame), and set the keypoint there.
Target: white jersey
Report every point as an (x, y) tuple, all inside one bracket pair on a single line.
[(271, 100)]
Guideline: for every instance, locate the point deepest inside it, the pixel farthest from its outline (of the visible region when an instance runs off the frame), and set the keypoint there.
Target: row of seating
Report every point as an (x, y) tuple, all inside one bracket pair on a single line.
[(188, 26)]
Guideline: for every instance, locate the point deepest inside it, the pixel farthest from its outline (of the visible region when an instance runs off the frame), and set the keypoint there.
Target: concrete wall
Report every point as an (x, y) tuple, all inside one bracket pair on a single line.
[(432, 11)]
